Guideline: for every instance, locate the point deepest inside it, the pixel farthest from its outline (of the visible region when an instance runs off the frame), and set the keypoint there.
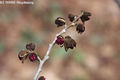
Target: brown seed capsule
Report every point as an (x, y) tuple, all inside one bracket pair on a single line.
[(80, 28), (85, 16), (69, 43), (23, 55), (71, 17), (30, 46), (60, 21)]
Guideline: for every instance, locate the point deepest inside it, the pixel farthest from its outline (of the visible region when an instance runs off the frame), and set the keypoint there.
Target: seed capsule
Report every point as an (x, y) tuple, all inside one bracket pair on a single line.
[(80, 28), (30, 46), (23, 55), (71, 17), (69, 43), (60, 21), (85, 16)]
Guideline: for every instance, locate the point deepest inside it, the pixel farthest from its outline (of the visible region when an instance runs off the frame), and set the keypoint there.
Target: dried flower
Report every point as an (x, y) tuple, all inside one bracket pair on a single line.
[(42, 78), (69, 43), (33, 57), (23, 55), (80, 28), (30, 46), (59, 40), (60, 21), (85, 16)]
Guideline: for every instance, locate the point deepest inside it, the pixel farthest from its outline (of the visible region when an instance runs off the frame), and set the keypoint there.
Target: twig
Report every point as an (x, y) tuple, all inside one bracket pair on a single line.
[(41, 62)]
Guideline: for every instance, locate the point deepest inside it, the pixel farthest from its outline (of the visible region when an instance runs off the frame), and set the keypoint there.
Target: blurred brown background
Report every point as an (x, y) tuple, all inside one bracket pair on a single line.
[(97, 56)]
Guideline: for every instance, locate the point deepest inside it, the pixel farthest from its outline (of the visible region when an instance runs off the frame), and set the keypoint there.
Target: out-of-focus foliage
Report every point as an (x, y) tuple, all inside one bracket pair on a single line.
[(2, 46), (78, 56), (58, 53), (55, 11)]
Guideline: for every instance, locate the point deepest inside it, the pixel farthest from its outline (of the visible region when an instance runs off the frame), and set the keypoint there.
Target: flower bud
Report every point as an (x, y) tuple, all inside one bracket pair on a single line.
[(33, 57), (59, 40)]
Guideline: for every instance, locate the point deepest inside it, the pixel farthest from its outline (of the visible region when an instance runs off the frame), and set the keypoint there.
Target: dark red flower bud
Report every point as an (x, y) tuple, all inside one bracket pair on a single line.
[(33, 56), (60, 21), (59, 40), (30, 46), (80, 28), (42, 78)]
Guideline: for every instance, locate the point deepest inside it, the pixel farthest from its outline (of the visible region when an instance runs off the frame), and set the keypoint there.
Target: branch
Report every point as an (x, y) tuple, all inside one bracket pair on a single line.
[(41, 62)]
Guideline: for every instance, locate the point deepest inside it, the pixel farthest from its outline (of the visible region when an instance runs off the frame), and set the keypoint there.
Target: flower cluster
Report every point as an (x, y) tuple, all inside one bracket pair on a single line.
[(29, 52), (68, 42), (77, 21)]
